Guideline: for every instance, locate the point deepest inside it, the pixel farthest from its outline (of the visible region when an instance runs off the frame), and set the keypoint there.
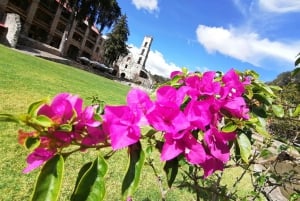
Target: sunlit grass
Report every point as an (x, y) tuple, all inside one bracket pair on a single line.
[(25, 79)]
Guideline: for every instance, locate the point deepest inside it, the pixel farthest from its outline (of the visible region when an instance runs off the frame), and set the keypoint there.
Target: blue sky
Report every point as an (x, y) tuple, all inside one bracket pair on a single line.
[(261, 35)]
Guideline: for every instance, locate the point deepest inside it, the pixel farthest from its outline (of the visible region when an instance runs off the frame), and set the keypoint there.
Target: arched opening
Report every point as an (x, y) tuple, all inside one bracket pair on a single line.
[(123, 75), (73, 52), (143, 74)]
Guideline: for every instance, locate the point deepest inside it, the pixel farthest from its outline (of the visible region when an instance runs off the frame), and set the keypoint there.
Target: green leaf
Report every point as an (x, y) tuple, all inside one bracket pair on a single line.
[(297, 111), (252, 73), (81, 172), (9, 118), (90, 185), (150, 133), (229, 127), (249, 92), (262, 122), (278, 110), (262, 131), (263, 98), (48, 184), (244, 146), (133, 174), (33, 108), (65, 127), (32, 142), (259, 111), (42, 120), (263, 88), (171, 170), (275, 88), (185, 70)]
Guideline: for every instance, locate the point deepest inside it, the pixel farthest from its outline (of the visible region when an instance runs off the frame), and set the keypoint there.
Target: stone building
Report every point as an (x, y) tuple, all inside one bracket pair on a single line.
[(133, 68), (45, 21)]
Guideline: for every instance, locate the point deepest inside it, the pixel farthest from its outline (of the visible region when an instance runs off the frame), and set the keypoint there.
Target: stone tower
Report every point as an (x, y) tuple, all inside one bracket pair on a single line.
[(132, 67), (144, 51)]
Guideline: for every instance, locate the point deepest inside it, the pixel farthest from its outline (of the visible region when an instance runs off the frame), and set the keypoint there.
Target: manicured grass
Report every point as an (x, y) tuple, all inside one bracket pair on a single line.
[(25, 79)]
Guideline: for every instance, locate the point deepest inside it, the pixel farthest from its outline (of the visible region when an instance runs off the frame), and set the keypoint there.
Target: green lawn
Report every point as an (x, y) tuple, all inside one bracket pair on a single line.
[(25, 79)]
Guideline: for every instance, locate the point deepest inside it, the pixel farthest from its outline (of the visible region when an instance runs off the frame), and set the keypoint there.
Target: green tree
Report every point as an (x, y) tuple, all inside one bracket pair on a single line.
[(115, 45), (103, 13)]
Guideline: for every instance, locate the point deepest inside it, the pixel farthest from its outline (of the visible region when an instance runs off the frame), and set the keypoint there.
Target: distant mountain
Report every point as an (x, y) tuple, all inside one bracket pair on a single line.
[(286, 78)]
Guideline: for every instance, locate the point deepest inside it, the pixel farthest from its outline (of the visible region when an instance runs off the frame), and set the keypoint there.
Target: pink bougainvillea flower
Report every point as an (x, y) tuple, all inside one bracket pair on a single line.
[(194, 84), (37, 158), (186, 144), (202, 85), (217, 143), (237, 107), (174, 73), (198, 113), (166, 114), (234, 87), (140, 102), (210, 165), (140, 99), (121, 123), (62, 108), (208, 85), (63, 138), (67, 109), (167, 94), (86, 118), (172, 147), (93, 136), (167, 117)]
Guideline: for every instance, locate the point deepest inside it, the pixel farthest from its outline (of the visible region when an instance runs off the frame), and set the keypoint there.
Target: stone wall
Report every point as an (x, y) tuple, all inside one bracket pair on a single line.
[(13, 24), (29, 42)]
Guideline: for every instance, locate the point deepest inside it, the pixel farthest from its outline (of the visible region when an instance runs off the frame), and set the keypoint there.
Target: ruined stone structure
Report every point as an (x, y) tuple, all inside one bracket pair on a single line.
[(13, 25), (132, 68), (46, 20)]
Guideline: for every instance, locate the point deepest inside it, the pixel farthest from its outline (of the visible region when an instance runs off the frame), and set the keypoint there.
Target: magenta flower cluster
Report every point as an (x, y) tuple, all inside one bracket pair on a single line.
[(189, 116), (71, 125), (197, 105)]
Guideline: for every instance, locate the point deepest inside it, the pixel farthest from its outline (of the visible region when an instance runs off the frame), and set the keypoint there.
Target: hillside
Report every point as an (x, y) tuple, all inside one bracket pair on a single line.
[(287, 128)]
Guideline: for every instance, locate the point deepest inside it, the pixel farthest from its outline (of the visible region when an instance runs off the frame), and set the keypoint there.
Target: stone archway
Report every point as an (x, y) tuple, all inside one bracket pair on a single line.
[(123, 75)]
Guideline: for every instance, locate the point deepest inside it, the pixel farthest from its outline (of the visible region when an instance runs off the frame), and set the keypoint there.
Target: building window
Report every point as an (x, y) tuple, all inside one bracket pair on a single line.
[(89, 45), (128, 58), (143, 75), (146, 43), (61, 27), (139, 61), (143, 51), (77, 37), (126, 66)]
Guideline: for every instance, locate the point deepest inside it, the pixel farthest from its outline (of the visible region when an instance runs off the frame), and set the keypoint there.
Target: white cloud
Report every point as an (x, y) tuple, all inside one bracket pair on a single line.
[(156, 63), (280, 6), (149, 5), (248, 47)]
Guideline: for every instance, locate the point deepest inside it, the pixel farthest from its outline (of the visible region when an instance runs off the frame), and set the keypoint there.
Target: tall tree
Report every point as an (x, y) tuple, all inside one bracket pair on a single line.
[(103, 13), (115, 45)]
